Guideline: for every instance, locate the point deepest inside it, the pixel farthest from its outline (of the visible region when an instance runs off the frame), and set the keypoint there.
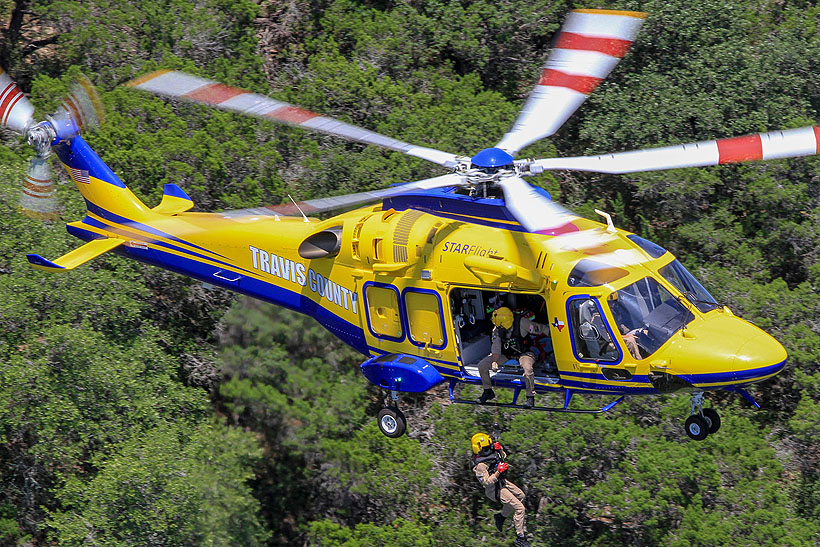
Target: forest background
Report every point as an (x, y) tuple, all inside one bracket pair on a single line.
[(138, 407)]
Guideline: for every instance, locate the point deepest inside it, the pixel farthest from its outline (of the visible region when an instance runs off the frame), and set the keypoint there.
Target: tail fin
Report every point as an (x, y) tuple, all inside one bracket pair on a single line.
[(174, 200), (104, 193)]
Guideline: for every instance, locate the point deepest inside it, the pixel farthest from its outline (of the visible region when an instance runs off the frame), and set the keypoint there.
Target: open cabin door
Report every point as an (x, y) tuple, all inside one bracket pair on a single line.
[(472, 324)]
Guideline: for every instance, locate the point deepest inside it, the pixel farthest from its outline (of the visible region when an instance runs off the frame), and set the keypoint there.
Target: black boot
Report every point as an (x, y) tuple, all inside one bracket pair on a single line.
[(521, 541), (530, 402), (499, 520), (486, 396)]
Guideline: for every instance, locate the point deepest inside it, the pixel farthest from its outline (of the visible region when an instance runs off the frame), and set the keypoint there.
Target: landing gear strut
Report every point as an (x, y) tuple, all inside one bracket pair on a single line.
[(703, 421), (391, 420)]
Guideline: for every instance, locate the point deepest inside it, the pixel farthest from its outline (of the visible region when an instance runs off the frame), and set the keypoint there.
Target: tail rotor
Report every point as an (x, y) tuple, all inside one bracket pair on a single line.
[(39, 195), (79, 111)]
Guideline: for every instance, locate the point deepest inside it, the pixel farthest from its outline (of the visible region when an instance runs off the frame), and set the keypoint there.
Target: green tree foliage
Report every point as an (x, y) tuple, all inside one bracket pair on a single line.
[(171, 485), (400, 533), (88, 387), (114, 39), (106, 435)]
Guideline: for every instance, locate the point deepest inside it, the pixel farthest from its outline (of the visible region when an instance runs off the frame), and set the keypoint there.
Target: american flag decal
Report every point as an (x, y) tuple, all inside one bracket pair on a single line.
[(80, 175)]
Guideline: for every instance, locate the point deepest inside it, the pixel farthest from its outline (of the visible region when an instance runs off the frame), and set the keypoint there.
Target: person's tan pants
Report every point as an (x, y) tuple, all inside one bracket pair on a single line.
[(527, 360), (513, 499)]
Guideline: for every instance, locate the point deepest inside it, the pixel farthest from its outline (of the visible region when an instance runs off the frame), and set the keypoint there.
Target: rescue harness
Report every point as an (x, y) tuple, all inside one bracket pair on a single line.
[(512, 343), (491, 461)]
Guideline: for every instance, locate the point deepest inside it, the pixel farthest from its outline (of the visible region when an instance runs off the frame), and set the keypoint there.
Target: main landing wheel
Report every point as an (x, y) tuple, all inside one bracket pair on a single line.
[(392, 422), (697, 427), (712, 418)]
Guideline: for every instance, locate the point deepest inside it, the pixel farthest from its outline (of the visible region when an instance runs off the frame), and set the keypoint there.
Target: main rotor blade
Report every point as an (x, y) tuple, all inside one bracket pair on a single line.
[(790, 143), (588, 47), (319, 205), (539, 214), (534, 211), (200, 90), (16, 111)]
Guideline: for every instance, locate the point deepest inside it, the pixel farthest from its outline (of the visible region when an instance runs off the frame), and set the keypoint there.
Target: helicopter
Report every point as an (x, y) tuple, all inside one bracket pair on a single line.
[(411, 281)]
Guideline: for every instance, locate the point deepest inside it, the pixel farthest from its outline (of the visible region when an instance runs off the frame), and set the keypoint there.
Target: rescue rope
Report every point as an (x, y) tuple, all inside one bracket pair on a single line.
[(495, 404)]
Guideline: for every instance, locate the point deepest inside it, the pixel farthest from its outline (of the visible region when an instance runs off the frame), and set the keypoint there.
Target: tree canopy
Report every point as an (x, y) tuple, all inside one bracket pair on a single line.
[(141, 408)]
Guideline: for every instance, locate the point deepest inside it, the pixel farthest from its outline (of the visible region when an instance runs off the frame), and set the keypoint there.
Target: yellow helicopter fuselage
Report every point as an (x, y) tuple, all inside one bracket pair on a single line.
[(394, 281)]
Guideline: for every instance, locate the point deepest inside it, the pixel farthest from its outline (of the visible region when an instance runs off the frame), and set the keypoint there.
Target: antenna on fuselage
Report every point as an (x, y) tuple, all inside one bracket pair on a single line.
[(610, 226), (300, 210)]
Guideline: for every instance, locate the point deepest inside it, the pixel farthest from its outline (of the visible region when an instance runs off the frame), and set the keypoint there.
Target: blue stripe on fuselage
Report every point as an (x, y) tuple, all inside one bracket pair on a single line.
[(613, 388), (116, 229), (737, 377), (115, 218), (640, 379)]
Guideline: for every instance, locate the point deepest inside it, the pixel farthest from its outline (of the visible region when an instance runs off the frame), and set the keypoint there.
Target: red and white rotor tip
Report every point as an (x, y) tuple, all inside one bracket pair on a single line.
[(16, 111), (589, 45)]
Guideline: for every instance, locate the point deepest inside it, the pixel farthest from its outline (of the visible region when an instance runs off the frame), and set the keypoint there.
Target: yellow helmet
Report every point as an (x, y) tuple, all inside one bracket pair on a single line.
[(503, 317), (480, 441)]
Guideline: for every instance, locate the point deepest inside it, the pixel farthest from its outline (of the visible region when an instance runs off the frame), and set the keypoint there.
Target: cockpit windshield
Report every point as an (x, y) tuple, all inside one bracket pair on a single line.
[(677, 275), (647, 315)]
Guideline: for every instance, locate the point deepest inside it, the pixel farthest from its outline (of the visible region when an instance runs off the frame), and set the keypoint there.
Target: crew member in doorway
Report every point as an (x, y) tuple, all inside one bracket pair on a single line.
[(490, 469), (512, 339)]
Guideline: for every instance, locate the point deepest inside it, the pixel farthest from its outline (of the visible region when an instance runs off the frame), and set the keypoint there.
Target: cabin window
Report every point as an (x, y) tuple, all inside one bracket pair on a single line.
[(591, 335), (652, 249), (383, 311), (424, 318), (591, 273)]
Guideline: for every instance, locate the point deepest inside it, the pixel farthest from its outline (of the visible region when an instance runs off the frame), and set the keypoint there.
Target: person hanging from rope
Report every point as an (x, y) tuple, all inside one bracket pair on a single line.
[(513, 339), (490, 469)]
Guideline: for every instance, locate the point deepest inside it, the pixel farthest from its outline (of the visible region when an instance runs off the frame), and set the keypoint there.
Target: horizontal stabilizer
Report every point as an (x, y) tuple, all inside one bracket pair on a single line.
[(174, 200), (78, 256)]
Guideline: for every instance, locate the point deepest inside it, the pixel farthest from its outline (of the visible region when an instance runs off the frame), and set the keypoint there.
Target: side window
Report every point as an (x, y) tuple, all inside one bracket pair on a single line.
[(383, 311), (424, 318), (591, 337)]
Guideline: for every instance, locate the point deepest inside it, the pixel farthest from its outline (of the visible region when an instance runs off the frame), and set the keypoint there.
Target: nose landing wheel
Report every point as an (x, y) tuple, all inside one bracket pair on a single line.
[(703, 421), (696, 427)]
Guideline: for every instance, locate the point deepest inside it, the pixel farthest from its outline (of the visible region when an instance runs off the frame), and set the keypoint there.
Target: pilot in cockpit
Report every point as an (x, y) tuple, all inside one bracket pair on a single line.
[(629, 336)]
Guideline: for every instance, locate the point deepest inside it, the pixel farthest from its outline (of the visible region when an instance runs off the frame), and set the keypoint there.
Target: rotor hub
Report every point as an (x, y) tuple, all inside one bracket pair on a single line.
[(491, 158), (40, 137)]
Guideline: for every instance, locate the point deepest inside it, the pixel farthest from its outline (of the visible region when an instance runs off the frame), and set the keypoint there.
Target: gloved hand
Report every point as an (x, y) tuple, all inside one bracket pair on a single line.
[(502, 468), (497, 446)]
